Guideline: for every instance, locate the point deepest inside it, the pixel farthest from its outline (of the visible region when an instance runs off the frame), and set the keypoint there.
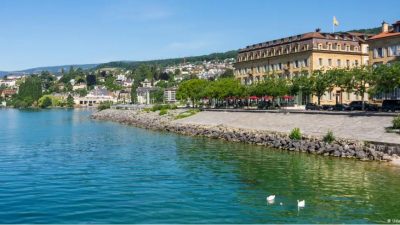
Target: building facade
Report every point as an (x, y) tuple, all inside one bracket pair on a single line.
[(385, 48), (170, 95), (300, 55)]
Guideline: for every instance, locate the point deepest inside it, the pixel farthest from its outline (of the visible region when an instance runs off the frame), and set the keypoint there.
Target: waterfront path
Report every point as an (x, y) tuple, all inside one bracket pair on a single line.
[(366, 128)]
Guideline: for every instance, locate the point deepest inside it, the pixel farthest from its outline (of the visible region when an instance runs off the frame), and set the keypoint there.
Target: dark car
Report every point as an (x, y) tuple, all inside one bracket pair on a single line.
[(313, 106), (341, 107), (357, 105), (390, 105), (327, 107)]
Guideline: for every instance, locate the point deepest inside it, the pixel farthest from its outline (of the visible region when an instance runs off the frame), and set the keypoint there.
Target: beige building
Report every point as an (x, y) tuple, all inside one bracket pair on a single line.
[(385, 48), (301, 54)]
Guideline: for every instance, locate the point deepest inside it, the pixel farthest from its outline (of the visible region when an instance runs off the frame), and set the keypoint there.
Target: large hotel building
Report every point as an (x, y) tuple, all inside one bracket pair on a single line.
[(294, 55)]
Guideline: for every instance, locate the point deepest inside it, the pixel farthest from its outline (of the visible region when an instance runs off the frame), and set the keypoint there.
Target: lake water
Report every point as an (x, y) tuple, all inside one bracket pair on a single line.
[(58, 166)]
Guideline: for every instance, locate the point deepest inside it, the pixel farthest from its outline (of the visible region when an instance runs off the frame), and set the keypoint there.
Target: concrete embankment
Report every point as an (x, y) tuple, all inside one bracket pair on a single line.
[(313, 144)]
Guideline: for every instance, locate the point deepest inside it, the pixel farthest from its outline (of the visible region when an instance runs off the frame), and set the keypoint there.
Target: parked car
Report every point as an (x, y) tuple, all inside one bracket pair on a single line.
[(390, 105), (327, 107), (357, 105), (313, 106), (341, 107)]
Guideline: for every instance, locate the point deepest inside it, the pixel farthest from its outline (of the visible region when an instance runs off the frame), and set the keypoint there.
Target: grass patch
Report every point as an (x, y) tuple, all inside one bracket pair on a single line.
[(161, 107), (188, 113), (396, 122), (329, 137), (295, 134), (163, 112)]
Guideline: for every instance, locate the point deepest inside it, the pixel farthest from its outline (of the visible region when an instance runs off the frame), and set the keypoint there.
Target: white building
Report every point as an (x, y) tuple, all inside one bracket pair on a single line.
[(95, 96), (170, 95)]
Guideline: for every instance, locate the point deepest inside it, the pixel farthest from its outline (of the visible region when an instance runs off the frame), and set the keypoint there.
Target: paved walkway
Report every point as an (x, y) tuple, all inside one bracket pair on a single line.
[(345, 126)]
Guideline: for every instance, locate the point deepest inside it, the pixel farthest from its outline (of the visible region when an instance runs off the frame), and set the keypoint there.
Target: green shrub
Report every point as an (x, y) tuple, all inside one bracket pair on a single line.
[(163, 112), (329, 137), (45, 102), (187, 113), (396, 122), (295, 134), (147, 110), (104, 105), (161, 107)]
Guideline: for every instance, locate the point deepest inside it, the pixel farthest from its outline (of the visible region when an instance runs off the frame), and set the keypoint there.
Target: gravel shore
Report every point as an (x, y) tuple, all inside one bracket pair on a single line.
[(341, 147)]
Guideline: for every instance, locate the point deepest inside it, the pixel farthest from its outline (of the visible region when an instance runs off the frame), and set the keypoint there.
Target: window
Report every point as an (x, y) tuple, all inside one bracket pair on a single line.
[(378, 53), (319, 46), (339, 63), (356, 62), (330, 62), (296, 64), (391, 50), (280, 66), (306, 62), (320, 62), (348, 63)]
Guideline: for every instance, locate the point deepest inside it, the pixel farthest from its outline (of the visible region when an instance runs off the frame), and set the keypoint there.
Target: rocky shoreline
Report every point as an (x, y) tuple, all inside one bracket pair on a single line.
[(343, 148)]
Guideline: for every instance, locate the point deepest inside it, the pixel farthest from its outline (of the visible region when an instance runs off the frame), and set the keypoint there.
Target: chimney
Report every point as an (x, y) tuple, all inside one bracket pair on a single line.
[(318, 30), (385, 27)]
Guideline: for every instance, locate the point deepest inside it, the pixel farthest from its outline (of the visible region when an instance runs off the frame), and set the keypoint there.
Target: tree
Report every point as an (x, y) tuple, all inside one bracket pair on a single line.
[(192, 89), (111, 85), (90, 80), (157, 95), (45, 102), (320, 83), (386, 78), (164, 76), (227, 74), (340, 78), (70, 101), (362, 78), (275, 87), (30, 90), (301, 84)]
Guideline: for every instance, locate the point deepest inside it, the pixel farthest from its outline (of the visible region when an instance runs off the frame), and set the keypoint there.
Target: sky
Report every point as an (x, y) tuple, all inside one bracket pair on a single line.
[(37, 33)]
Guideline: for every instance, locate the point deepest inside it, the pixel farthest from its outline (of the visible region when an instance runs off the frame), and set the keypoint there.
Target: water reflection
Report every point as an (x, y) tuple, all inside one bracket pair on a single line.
[(335, 190)]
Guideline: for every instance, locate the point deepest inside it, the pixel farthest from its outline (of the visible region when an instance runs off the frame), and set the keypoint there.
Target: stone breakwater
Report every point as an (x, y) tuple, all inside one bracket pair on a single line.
[(343, 148)]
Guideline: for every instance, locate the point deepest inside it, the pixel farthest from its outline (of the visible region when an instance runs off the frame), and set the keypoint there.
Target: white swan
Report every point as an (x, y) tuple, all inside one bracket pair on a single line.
[(301, 203), (271, 198)]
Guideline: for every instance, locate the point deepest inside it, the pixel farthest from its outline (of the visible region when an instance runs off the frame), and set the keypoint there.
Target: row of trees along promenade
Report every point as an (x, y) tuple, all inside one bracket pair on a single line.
[(358, 80)]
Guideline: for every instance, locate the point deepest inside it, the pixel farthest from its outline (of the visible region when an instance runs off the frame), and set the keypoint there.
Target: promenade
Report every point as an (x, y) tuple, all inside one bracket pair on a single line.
[(349, 126)]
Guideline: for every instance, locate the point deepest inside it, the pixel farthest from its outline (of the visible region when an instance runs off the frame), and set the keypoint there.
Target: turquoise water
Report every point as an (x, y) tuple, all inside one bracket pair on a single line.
[(58, 166)]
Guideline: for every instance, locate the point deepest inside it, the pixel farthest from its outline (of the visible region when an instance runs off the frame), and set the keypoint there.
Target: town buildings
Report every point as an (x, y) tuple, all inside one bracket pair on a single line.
[(170, 95), (300, 55), (95, 97), (385, 48), (202, 70), (143, 93)]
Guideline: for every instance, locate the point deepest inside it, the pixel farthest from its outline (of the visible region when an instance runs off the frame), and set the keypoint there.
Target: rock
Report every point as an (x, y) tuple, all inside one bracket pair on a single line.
[(361, 155), (337, 153)]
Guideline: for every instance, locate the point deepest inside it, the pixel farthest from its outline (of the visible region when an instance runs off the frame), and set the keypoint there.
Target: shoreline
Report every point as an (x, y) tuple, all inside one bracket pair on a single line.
[(340, 148)]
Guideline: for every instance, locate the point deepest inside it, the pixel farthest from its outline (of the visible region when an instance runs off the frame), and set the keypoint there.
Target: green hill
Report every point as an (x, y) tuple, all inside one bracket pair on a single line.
[(173, 61), (375, 30)]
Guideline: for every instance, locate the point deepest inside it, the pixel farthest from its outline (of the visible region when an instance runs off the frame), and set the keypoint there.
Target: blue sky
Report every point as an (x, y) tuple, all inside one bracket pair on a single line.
[(55, 32)]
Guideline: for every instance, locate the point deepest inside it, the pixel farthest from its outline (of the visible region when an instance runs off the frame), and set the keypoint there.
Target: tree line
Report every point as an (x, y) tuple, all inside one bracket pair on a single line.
[(358, 80)]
